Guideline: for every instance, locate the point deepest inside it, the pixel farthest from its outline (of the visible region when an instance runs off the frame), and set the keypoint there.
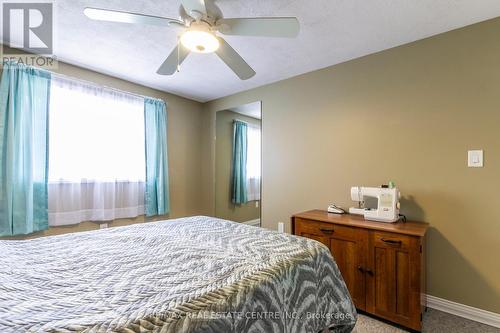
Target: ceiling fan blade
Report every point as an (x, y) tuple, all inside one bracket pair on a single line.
[(126, 17), (194, 6), (234, 61), (175, 58), (264, 27)]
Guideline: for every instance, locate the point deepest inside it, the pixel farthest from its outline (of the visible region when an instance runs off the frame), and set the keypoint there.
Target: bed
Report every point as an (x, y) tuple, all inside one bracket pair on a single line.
[(196, 274)]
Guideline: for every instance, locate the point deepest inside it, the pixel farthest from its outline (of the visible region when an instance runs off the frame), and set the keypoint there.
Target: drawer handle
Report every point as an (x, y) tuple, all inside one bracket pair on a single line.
[(392, 241), (326, 230), (365, 270)]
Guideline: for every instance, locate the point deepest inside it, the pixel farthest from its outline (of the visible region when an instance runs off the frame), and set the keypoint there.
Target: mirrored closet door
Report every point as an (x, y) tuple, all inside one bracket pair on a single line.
[(238, 163)]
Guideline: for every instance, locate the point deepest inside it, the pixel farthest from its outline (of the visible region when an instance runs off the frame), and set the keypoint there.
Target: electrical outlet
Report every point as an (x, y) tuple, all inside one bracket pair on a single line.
[(281, 227), (103, 226), (256, 203)]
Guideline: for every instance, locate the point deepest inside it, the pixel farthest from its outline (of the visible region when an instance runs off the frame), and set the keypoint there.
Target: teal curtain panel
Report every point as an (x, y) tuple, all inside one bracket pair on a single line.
[(24, 103), (239, 163), (157, 184)]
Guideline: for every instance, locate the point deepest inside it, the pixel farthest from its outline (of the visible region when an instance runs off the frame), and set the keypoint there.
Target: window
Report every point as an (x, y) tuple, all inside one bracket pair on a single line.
[(96, 153), (79, 152), (253, 167), (94, 135)]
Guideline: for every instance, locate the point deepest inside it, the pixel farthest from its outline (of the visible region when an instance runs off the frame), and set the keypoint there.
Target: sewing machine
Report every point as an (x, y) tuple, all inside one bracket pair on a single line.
[(385, 202)]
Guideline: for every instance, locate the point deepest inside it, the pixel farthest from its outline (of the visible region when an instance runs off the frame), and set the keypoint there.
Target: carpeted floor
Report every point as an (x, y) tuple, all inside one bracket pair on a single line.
[(434, 322)]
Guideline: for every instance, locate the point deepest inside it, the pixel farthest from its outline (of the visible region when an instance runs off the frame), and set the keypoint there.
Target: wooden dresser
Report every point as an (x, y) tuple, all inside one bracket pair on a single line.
[(383, 264)]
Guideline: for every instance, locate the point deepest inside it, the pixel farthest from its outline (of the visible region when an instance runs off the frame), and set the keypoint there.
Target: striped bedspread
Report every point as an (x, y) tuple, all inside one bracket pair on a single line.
[(195, 274)]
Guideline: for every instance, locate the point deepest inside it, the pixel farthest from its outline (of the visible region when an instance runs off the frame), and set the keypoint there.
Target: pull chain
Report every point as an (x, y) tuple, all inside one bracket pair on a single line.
[(178, 54)]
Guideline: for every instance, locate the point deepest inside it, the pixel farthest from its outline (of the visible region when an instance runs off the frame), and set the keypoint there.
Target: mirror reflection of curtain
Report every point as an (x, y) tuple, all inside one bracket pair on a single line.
[(246, 166), (239, 163), (253, 166)]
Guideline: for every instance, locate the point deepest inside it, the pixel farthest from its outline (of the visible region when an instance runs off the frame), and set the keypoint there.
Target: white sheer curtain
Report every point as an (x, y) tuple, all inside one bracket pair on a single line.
[(96, 153), (253, 162)]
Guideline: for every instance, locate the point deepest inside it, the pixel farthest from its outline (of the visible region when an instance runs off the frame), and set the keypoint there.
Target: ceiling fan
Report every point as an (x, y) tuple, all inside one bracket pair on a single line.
[(199, 24)]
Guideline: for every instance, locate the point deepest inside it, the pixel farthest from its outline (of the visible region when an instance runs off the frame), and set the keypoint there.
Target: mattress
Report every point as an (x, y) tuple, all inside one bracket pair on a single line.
[(196, 274)]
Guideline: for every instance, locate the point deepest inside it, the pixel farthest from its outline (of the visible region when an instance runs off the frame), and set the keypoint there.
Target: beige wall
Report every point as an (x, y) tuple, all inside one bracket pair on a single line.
[(409, 115), (224, 208), (184, 152)]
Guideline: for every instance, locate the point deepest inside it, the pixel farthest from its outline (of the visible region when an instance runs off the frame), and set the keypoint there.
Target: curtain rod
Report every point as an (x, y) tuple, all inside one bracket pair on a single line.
[(71, 78), (245, 122)]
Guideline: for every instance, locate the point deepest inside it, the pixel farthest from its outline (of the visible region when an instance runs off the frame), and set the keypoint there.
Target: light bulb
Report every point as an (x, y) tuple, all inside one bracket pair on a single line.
[(200, 41)]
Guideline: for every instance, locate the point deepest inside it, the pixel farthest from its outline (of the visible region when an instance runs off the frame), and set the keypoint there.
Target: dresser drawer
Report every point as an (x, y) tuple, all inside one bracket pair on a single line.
[(304, 226), (392, 240), (311, 227)]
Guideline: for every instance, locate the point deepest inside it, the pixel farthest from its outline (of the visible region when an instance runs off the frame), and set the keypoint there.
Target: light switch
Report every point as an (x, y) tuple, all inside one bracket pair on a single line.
[(475, 158)]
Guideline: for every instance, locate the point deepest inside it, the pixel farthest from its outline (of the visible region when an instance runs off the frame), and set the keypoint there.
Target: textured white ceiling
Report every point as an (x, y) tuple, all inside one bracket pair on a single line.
[(332, 31)]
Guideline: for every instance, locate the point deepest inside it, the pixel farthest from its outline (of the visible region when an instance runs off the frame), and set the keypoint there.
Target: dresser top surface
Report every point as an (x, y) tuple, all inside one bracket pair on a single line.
[(407, 228)]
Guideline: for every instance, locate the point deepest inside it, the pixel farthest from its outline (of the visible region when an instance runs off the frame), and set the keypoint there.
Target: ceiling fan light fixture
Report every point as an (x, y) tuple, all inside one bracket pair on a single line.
[(202, 22), (199, 39)]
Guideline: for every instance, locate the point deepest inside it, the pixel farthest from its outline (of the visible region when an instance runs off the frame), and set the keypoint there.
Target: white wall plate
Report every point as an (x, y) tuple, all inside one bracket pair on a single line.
[(475, 158)]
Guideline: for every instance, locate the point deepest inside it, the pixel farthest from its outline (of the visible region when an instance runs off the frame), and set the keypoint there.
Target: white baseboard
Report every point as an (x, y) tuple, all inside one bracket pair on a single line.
[(255, 223), (464, 311)]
